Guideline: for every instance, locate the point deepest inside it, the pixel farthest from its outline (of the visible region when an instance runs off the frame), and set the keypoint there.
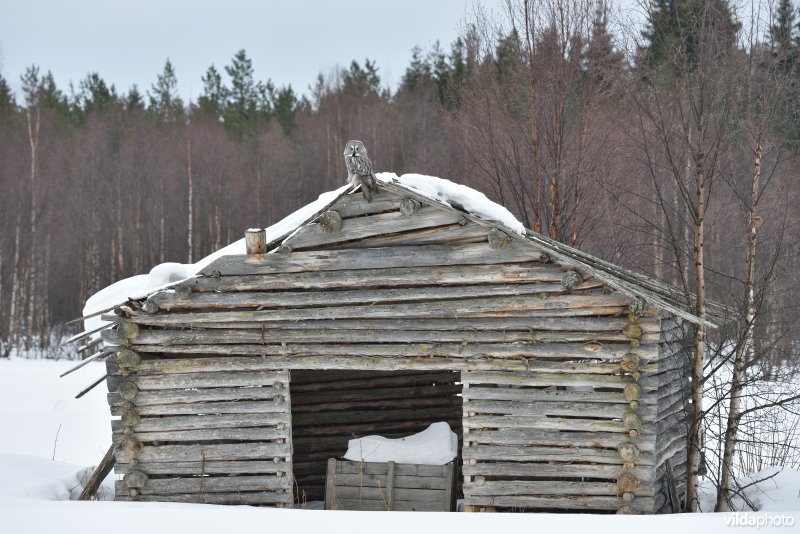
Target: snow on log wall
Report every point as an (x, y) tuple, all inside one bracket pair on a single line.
[(560, 377)]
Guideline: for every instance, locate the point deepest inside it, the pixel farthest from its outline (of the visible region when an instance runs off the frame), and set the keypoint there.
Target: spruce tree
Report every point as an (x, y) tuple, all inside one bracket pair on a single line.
[(165, 104), (212, 100), (242, 103), (7, 104), (784, 48)]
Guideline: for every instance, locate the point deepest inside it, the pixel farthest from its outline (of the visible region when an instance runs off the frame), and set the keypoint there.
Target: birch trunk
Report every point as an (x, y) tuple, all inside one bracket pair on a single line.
[(33, 139), (190, 221), (696, 409), (537, 199), (746, 342)]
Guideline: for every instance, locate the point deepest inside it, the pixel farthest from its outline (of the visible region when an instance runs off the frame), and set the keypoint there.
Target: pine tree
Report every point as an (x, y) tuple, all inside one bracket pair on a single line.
[(418, 73), (134, 101), (603, 63), (165, 104), (361, 81), (285, 106)]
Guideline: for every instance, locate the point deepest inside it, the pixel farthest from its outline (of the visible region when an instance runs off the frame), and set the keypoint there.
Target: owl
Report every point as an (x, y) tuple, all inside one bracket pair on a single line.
[(359, 168)]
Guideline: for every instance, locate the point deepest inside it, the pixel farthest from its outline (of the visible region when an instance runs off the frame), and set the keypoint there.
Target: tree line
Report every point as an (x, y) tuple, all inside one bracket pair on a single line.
[(669, 148)]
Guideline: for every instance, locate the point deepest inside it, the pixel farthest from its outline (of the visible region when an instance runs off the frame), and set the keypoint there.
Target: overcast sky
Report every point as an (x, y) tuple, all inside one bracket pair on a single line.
[(289, 41)]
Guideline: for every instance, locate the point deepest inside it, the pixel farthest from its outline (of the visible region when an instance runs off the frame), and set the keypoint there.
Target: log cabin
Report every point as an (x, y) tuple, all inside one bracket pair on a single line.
[(564, 376)]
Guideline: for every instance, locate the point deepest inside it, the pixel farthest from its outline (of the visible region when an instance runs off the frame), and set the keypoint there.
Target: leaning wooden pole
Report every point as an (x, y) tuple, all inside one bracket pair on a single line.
[(100, 473)]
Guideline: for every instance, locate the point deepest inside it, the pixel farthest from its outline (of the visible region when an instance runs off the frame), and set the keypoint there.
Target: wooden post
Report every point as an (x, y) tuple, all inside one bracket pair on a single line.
[(390, 487), (256, 241), (100, 473)]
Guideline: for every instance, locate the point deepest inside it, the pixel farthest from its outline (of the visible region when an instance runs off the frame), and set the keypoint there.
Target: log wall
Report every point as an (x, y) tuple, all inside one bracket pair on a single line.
[(561, 374)]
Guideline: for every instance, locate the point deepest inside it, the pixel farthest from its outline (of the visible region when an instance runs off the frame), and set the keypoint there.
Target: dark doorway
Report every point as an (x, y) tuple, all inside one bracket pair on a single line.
[(331, 407)]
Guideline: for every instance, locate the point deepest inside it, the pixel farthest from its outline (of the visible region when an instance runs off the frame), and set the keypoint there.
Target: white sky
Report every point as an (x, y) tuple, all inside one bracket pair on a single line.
[(289, 41)]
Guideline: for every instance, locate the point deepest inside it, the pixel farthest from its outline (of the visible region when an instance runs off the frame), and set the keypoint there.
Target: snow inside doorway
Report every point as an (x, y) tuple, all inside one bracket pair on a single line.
[(329, 408)]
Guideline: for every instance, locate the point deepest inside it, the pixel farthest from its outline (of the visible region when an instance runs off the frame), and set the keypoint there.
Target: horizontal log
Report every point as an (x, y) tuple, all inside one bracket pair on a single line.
[(530, 437), (211, 484), (353, 205), (560, 351), (203, 380), (545, 471), (211, 452), (170, 300), (439, 235), (568, 409), (197, 365), (357, 397), (410, 426), (571, 455), (567, 502), (273, 336), (554, 488), (543, 423), (313, 235), (539, 379), (372, 258), (192, 422), (411, 402), (170, 396), (314, 381), (386, 277), (240, 498), (343, 418), (528, 305), (207, 408), (546, 395), (221, 434), (200, 468)]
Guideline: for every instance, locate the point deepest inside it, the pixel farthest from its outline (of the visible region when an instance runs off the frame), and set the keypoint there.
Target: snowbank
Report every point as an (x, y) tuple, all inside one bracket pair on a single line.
[(436, 445)]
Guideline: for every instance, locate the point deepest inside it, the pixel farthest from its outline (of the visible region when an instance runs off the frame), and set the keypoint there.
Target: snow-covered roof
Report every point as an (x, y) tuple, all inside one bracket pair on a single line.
[(432, 190)]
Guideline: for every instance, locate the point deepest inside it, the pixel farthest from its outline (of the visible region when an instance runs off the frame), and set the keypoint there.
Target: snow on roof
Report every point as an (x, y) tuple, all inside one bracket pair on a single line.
[(457, 196)]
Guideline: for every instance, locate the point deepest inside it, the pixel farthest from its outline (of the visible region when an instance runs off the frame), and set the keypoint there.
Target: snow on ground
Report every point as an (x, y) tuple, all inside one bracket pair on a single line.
[(34, 402)]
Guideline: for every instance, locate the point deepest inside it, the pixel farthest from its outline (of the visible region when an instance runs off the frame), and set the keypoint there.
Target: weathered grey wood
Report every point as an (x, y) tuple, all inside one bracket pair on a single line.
[(197, 468), (193, 408), (209, 301), (329, 222), (372, 258), (539, 379), (237, 434), (86, 361), (401, 493), (541, 487), (554, 471), (440, 235), (379, 468), (542, 326), (545, 438), (531, 395), (388, 495), (238, 498), (255, 241), (567, 502), (203, 380), (354, 206), (547, 454), (100, 473), (174, 423), (90, 387), (544, 423), (211, 484), (211, 452), (387, 277), (158, 397), (587, 409), (561, 351), (313, 235), (332, 398), (371, 480)]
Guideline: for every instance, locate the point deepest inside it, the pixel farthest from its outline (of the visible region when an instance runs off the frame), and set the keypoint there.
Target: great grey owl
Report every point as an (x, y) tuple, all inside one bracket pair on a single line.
[(359, 168)]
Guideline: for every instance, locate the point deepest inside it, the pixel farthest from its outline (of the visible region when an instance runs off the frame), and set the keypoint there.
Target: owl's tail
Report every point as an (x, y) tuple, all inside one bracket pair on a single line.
[(369, 186)]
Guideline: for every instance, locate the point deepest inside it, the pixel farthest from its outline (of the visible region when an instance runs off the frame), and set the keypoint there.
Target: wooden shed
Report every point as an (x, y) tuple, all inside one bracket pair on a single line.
[(563, 375)]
